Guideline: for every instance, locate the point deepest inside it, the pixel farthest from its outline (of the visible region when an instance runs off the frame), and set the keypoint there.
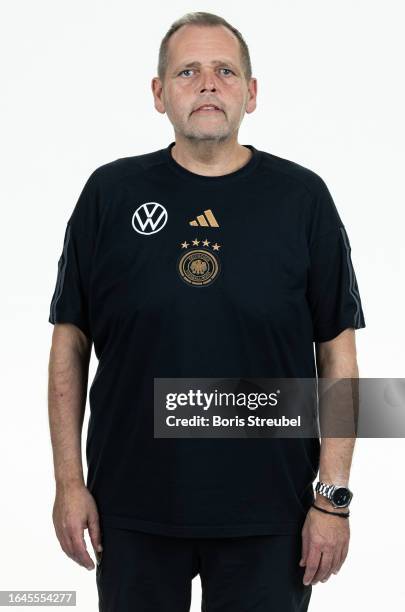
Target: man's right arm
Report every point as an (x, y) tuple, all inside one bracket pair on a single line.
[(74, 508)]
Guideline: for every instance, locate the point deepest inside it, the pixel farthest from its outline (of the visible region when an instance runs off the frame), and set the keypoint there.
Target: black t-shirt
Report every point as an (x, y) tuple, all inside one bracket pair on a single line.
[(274, 275)]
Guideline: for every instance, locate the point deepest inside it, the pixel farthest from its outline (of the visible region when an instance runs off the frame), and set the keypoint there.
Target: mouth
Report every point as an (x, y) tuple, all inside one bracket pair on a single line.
[(208, 108)]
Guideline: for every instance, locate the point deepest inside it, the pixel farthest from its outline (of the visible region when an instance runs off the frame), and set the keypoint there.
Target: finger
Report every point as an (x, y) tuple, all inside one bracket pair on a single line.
[(335, 561), (80, 551), (312, 564), (324, 566), (65, 544), (95, 532), (304, 551), (69, 547), (343, 556)]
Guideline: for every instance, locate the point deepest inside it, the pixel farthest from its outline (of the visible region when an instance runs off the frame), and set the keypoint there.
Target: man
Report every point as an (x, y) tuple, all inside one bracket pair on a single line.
[(206, 258)]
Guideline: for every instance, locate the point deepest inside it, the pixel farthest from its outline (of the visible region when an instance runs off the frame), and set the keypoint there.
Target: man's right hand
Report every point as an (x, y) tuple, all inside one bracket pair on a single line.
[(74, 511)]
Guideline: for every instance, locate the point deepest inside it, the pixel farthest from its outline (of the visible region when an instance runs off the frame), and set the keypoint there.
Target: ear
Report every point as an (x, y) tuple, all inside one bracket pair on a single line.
[(157, 90)]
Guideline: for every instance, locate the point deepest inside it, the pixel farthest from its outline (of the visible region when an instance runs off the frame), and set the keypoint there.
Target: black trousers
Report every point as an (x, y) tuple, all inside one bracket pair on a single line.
[(141, 572)]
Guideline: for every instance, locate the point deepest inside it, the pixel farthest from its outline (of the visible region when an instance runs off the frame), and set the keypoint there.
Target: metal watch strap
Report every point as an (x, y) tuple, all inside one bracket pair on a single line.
[(324, 489)]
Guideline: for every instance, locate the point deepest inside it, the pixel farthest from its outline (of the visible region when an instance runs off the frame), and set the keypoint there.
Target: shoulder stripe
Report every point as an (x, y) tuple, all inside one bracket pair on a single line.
[(353, 287), (61, 273)]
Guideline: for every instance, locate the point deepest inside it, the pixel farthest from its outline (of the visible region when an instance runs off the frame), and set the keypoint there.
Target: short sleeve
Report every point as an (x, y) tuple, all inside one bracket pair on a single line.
[(70, 299), (332, 290)]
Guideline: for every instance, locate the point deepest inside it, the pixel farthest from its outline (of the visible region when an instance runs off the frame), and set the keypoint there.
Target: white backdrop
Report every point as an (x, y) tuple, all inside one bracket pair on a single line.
[(76, 94)]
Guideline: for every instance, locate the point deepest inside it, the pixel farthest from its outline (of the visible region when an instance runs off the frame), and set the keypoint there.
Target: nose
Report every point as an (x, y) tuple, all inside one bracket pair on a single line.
[(207, 81)]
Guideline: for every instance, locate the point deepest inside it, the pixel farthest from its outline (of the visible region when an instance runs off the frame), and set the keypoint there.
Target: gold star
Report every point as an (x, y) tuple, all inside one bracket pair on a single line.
[(196, 242), (184, 245), (216, 247), (206, 242)]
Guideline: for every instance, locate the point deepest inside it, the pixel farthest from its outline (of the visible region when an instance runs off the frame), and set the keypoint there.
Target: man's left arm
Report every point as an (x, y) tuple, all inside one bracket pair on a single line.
[(326, 537)]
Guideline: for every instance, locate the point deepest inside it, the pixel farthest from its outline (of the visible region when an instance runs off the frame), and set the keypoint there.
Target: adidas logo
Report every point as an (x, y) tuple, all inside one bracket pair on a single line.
[(205, 220)]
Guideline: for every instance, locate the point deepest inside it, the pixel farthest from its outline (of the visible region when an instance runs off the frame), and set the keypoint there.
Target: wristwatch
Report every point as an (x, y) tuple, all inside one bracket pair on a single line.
[(340, 497)]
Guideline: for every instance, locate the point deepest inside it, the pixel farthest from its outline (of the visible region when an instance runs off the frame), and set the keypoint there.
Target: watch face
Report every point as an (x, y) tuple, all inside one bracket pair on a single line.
[(341, 497)]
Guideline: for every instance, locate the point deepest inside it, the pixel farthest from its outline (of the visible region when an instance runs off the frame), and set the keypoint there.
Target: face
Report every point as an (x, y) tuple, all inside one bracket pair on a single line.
[(204, 68)]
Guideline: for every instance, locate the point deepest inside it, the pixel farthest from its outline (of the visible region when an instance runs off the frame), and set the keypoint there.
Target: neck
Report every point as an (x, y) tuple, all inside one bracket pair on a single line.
[(210, 157)]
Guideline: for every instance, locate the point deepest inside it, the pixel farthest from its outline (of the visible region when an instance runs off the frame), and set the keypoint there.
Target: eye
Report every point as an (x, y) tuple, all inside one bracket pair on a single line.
[(185, 70), (189, 70)]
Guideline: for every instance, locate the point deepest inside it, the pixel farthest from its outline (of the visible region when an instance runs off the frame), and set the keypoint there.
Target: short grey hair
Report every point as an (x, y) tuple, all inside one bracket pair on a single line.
[(202, 19)]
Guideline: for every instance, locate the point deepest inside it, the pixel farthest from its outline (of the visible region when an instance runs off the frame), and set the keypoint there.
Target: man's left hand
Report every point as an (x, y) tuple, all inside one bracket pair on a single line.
[(325, 544)]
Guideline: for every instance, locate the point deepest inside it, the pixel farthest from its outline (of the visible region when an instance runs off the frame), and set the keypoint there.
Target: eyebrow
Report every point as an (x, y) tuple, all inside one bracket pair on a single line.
[(195, 64)]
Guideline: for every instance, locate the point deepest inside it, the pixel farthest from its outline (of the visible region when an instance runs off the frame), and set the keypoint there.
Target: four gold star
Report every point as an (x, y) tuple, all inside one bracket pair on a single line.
[(196, 242)]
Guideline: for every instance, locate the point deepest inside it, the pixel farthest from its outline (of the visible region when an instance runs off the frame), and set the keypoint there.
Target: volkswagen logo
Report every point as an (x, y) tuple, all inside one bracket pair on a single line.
[(149, 218)]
